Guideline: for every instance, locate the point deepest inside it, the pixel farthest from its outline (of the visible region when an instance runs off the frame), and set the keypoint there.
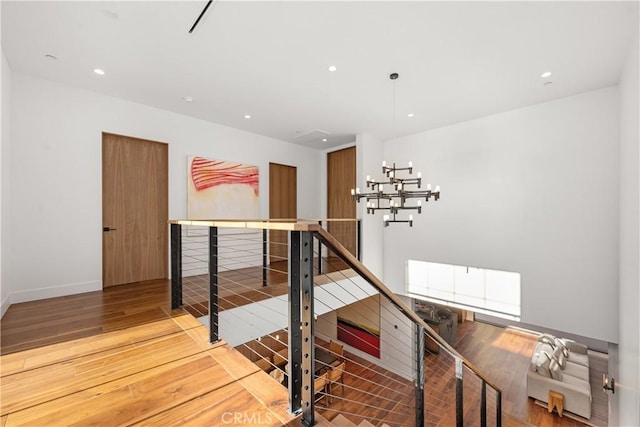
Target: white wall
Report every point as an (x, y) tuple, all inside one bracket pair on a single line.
[(5, 289), (396, 339), (56, 177), (533, 191), (628, 376), (369, 156)]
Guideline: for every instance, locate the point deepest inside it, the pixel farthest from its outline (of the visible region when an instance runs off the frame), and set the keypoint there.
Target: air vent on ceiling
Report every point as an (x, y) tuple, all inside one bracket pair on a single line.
[(314, 135)]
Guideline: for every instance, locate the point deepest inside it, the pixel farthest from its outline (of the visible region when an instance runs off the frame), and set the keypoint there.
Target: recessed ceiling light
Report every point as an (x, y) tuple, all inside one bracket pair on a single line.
[(324, 139), (410, 115), (51, 57), (545, 74), (98, 71), (332, 68), (247, 116), (188, 98)]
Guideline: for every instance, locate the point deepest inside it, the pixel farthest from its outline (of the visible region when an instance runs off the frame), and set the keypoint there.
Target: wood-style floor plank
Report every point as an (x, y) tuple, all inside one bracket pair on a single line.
[(233, 362), (55, 320), (140, 362), (263, 388), (80, 334), (130, 398), (234, 406), (36, 386), (55, 353)]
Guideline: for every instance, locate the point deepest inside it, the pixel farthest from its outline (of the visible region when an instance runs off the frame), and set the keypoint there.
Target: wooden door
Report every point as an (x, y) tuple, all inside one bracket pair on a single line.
[(283, 203), (341, 178), (134, 210)]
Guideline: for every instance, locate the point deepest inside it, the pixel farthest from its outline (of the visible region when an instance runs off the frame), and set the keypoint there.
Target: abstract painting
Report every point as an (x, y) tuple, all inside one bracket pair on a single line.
[(359, 325), (218, 189)]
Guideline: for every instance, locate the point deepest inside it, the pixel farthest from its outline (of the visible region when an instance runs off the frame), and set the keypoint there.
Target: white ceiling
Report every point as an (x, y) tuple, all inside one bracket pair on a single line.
[(456, 60)]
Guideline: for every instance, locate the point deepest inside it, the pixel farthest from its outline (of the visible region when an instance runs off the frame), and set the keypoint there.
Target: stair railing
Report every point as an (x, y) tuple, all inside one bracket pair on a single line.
[(448, 373)]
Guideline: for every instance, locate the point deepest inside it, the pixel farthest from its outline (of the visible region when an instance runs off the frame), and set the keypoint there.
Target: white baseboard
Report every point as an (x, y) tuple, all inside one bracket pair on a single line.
[(55, 291), (6, 303)]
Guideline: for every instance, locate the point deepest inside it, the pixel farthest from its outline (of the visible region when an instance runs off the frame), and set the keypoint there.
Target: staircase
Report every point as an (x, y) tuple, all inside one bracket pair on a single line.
[(341, 421), (385, 373)]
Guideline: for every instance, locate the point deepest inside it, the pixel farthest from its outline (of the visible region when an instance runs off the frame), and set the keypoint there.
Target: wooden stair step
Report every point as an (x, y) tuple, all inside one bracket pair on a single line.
[(365, 423), (56, 353), (341, 421), (320, 421), (164, 374)]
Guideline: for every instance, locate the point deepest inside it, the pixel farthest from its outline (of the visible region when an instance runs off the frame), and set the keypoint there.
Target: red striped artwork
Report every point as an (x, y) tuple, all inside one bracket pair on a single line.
[(206, 173), (217, 189)]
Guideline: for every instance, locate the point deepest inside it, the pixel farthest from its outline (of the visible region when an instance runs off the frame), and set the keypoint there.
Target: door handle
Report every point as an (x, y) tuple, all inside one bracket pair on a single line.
[(108, 229)]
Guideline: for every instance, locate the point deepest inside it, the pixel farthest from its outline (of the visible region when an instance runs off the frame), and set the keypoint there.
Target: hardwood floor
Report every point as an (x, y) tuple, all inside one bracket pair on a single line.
[(57, 353), (504, 356), (54, 320), (137, 371)]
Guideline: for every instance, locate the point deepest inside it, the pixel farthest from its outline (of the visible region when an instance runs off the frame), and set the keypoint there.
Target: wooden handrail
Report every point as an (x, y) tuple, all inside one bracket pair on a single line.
[(286, 224), (346, 256)]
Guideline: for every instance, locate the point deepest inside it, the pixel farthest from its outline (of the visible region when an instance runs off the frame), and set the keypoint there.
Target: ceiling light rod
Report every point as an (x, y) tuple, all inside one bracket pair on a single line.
[(395, 200), (195, 24)]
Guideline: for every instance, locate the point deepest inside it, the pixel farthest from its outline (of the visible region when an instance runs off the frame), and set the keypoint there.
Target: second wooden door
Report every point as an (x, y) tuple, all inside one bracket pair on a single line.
[(341, 178), (283, 203)]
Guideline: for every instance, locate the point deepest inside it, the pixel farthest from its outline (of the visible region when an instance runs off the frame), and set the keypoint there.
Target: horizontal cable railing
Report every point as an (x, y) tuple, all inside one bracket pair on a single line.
[(305, 310)]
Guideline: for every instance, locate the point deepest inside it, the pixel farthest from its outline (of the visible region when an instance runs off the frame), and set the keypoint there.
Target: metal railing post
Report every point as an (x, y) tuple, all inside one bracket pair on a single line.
[(295, 332), (498, 408), (359, 239), (419, 376), (459, 400), (308, 320), (483, 405), (319, 252), (176, 266), (264, 257), (213, 285)]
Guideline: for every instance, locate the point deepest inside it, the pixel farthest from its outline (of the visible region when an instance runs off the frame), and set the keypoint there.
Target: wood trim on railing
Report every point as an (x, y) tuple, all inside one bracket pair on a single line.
[(359, 268), (285, 224)]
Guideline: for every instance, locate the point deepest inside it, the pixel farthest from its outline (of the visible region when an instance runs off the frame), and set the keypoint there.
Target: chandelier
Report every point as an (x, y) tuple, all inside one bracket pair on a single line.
[(401, 189)]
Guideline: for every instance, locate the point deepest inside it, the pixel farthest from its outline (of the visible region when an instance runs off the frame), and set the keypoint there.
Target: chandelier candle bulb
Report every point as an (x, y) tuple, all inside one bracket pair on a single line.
[(410, 164), (381, 188), (419, 174), (368, 178), (384, 163), (353, 192), (410, 217), (358, 190), (428, 187), (437, 188)]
